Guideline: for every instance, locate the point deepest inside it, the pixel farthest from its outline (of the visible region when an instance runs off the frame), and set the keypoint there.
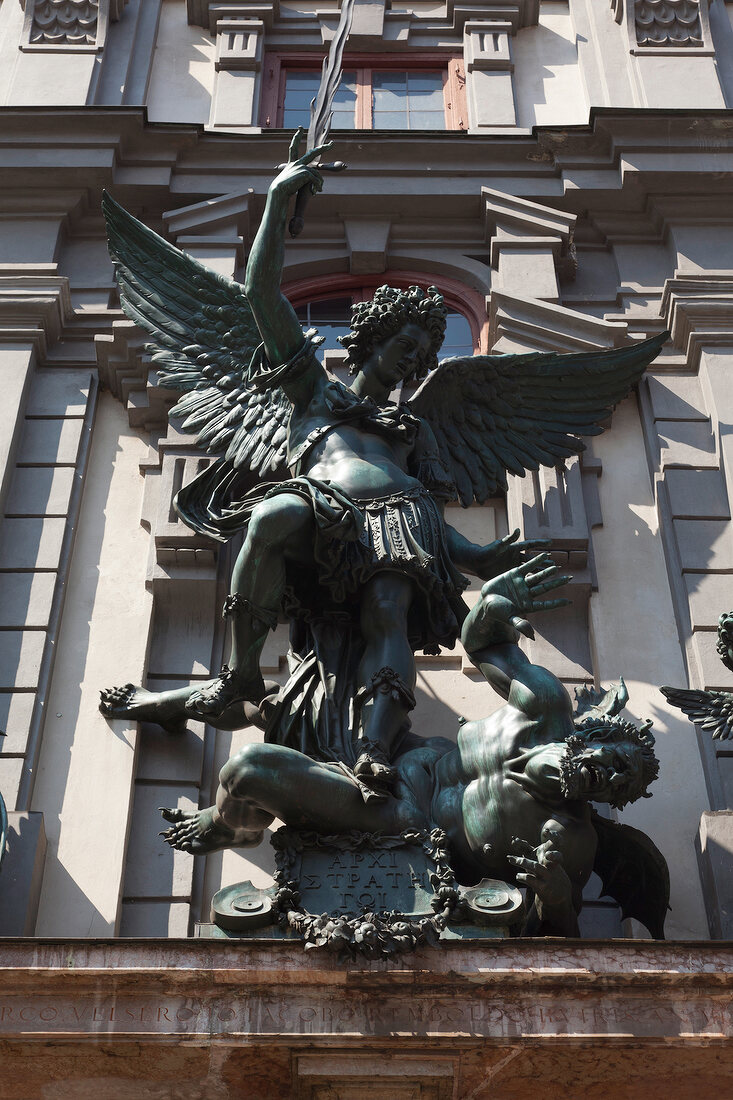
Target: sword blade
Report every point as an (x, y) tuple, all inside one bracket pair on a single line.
[(322, 105)]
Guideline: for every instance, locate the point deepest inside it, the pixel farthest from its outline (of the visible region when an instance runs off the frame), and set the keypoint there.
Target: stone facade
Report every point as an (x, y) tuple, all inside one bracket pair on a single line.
[(581, 199)]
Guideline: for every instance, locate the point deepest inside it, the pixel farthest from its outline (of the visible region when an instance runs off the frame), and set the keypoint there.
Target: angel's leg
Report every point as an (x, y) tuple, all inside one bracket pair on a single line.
[(387, 674), (168, 708), (280, 530)]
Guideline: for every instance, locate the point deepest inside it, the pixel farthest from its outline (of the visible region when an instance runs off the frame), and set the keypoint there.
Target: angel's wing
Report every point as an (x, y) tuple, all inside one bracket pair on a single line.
[(713, 710), (496, 413), (204, 342), (633, 872)]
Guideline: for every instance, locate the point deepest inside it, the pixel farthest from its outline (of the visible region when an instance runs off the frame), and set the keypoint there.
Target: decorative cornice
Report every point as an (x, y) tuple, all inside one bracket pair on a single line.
[(698, 310), (543, 326), (34, 309)]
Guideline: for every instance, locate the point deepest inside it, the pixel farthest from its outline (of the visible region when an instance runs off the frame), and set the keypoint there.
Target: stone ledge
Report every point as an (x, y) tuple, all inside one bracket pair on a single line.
[(548, 990)]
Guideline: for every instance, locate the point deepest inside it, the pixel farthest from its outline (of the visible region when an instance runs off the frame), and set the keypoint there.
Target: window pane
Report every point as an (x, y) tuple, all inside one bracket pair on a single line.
[(389, 120), (344, 103), (427, 120), (346, 91), (389, 91), (292, 119), (302, 87), (458, 338), (426, 90)]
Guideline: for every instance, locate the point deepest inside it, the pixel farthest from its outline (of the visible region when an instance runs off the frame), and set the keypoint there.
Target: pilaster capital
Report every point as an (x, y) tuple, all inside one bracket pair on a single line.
[(526, 218), (517, 13), (207, 13)]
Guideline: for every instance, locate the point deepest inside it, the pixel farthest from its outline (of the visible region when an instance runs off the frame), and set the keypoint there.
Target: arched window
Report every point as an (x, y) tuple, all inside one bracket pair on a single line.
[(319, 304)]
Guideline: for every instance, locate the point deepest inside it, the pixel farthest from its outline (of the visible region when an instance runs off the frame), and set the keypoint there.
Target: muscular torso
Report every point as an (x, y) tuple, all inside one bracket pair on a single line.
[(363, 463), (484, 796)]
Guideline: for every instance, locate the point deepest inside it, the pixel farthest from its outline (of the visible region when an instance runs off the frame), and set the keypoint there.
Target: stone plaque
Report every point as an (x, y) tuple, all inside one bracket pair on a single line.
[(358, 892)]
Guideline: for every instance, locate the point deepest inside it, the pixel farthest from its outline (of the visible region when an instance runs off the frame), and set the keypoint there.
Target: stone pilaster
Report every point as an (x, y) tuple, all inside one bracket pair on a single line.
[(235, 103)]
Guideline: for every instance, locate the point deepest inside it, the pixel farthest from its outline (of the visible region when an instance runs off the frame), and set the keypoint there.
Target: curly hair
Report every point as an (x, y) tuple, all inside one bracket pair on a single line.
[(613, 730), (389, 311)]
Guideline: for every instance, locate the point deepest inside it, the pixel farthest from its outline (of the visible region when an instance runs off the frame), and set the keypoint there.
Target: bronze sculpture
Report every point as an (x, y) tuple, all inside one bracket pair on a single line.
[(340, 491), (352, 546), (512, 796), (712, 709)]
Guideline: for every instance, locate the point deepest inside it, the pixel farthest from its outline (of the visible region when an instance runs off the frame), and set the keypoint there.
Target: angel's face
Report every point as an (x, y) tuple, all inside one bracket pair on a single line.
[(397, 357)]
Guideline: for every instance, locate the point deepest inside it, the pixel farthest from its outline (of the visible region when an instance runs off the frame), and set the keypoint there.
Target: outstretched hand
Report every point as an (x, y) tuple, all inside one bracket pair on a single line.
[(505, 553), (505, 600)]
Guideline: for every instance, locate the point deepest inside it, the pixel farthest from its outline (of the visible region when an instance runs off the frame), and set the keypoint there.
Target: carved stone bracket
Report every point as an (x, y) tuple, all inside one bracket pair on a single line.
[(530, 245), (528, 324)]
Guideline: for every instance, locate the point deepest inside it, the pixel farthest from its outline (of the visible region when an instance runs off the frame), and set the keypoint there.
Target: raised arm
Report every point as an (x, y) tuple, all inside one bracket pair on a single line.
[(275, 317), (491, 631)]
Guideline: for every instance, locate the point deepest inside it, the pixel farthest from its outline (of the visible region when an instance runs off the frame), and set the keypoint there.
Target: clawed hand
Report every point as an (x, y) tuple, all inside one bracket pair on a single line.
[(541, 869), (509, 597), (505, 553)]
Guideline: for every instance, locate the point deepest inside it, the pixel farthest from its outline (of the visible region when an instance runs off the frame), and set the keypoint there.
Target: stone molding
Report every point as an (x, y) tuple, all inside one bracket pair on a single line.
[(239, 44), (517, 13), (56, 25), (699, 312), (535, 325), (523, 991), (34, 309)]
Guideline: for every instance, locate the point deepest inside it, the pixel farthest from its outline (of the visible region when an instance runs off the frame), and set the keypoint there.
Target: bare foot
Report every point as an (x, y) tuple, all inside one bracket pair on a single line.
[(198, 833), (227, 689), (142, 705)]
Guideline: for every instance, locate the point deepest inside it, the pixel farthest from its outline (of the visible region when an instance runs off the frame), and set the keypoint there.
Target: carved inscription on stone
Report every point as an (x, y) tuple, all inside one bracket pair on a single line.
[(372, 879), (332, 1012)]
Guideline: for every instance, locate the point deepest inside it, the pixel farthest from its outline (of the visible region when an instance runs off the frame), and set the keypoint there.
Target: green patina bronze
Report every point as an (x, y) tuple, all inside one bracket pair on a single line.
[(713, 710), (340, 491)]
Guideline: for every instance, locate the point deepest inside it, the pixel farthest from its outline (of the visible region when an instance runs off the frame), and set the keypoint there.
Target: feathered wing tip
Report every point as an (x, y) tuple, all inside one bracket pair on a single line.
[(724, 644), (205, 342), (498, 414), (712, 710)]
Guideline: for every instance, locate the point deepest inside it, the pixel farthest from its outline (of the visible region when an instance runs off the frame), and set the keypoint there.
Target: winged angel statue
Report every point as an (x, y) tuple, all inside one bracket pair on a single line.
[(339, 489)]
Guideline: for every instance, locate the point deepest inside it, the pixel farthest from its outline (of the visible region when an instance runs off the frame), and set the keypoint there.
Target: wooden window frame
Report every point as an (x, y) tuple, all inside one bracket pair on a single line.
[(450, 66)]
